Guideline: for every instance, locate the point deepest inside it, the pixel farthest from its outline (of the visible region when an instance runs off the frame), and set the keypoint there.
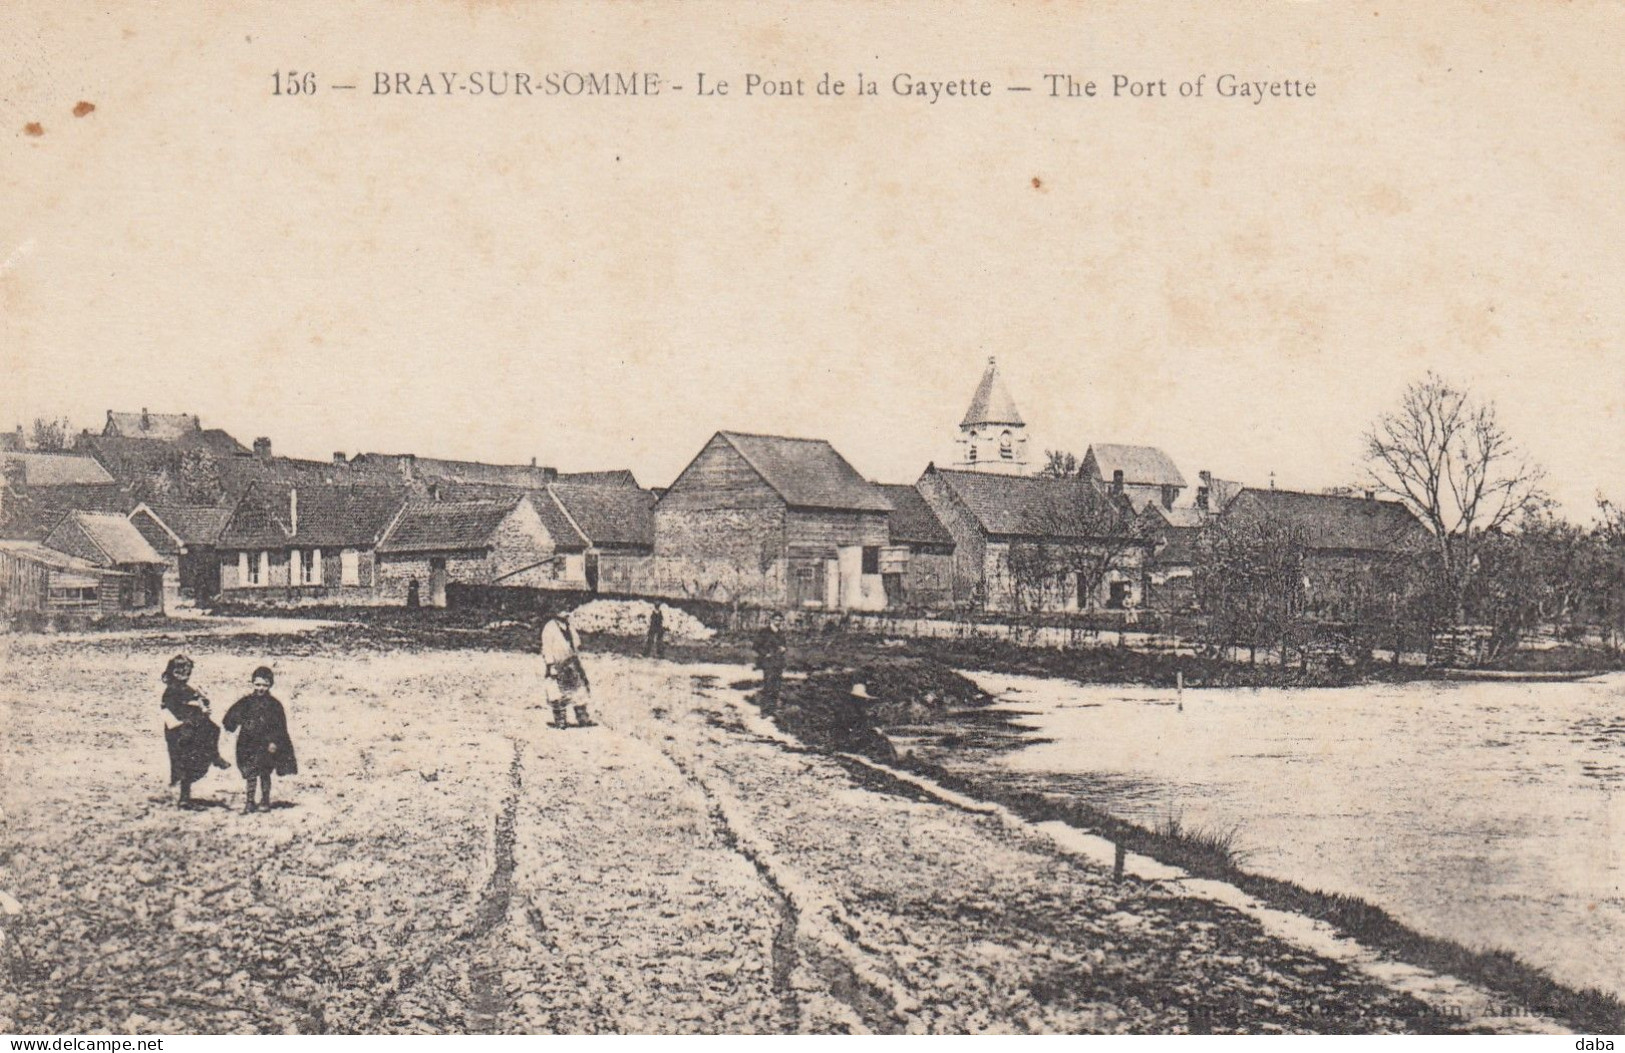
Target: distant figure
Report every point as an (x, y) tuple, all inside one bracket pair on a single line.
[(412, 593), (566, 682), (193, 739), (263, 745), (654, 645), (770, 657)]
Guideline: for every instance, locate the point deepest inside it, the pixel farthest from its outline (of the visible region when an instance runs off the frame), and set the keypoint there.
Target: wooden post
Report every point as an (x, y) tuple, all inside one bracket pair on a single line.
[(1117, 864)]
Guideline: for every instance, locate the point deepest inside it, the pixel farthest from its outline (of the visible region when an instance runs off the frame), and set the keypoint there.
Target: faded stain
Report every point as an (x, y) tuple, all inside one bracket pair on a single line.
[(84, 108), (1038, 184), (34, 128)]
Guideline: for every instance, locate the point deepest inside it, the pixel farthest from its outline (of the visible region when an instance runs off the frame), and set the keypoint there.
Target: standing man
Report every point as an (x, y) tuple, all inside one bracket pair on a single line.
[(566, 681), (770, 656), (654, 645)]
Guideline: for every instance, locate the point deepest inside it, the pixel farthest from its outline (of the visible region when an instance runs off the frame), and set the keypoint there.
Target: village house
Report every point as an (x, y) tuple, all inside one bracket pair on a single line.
[(432, 544), (41, 581), (616, 526), (109, 541), (1352, 545), (306, 544), (188, 538), (165, 427), (1143, 474), (1031, 544), (775, 521), (917, 566), (38, 489)]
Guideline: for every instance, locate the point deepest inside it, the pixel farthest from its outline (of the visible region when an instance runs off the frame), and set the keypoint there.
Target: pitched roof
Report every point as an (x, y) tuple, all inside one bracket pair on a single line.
[(912, 521), (1329, 521), (525, 476), (991, 404), (34, 512), (1186, 517), (611, 477), (1142, 465), (1038, 507), (35, 552), (329, 515), (144, 425), (441, 526), (609, 516), (114, 539), (55, 469), (807, 473), (193, 524), (566, 537)]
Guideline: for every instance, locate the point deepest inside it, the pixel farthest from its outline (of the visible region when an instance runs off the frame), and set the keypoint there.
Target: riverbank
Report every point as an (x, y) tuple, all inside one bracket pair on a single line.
[(445, 862)]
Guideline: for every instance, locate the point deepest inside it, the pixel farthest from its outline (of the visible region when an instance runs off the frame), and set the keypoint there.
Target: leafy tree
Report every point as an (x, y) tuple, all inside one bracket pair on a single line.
[(50, 435), (1059, 464)]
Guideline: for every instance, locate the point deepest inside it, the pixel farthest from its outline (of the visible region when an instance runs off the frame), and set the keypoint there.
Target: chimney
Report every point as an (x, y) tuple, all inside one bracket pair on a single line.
[(1204, 490), (293, 511), (338, 457), (409, 465), (111, 429), (1371, 495), (146, 421), (262, 448), (1117, 481), (532, 460)]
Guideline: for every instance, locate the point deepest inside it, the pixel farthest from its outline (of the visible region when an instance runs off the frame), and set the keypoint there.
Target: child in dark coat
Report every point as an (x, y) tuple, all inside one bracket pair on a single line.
[(263, 745), (193, 739)]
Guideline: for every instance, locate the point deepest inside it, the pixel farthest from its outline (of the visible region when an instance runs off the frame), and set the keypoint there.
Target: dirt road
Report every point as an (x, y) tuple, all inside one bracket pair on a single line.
[(446, 862)]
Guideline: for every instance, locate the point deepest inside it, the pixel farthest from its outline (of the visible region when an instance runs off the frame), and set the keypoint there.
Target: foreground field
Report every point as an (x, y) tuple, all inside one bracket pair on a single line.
[(445, 862)]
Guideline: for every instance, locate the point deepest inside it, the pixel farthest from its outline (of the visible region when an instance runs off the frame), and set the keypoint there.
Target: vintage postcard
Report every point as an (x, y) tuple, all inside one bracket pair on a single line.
[(822, 518)]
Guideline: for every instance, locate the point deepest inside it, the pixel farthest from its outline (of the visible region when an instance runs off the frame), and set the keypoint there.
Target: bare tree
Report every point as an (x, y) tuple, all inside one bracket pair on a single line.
[(1445, 454), (1075, 537)]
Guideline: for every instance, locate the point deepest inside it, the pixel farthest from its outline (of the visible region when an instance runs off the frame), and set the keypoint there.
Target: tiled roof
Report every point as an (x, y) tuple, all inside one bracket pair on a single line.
[(807, 473), (912, 521), (1037, 507), (114, 539), (566, 538), (1330, 521), (329, 515), (525, 476), (144, 425), (446, 526), (1178, 546), (612, 477), (991, 404), (1143, 465), (32, 513), (610, 516), (56, 469), (193, 524)]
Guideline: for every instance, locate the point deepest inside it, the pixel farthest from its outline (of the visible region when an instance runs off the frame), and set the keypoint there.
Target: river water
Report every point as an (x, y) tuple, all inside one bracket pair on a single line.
[(1491, 814)]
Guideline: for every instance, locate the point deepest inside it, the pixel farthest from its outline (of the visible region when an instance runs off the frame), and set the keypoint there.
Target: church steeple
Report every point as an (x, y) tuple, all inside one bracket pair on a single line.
[(992, 437)]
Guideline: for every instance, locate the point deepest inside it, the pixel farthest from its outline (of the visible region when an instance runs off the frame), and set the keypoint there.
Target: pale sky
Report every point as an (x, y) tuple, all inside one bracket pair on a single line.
[(606, 282)]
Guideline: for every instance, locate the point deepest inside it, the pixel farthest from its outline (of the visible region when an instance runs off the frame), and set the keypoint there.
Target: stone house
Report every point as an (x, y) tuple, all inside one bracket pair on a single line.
[(1143, 474), (1033, 544), (615, 524), (432, 544), (771, 521), (917, 566)]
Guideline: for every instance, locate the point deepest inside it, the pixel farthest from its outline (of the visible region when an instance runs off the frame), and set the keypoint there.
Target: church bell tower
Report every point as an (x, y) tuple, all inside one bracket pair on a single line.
[(992, 437)]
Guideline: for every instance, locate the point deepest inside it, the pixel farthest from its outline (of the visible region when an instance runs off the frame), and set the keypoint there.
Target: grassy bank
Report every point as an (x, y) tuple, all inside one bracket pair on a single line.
[(910, 691)]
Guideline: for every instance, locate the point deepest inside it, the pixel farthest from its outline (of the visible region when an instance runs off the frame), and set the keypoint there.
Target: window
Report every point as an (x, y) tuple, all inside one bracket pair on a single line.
[(871, 559), (79, 594), (1007, 447), (1119, 596), (349, 567), (252, 568)]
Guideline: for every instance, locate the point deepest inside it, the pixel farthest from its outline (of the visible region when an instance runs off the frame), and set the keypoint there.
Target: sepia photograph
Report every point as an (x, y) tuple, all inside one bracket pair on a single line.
[(671, 519)]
